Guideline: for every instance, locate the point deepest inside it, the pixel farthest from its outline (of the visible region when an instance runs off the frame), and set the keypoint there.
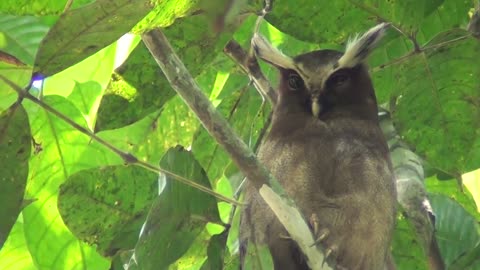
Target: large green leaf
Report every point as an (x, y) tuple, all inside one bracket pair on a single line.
[(216, 252), (59, 153), (86, 97), (136, 89), (15, 255), (96, 26), (335, 21), (38, 7), (457, 231), (436, 102), (21, 36), (139, 87), (18, 74), (96, 69), (319, 21), (107, 206), (178, 215), (15, 149)]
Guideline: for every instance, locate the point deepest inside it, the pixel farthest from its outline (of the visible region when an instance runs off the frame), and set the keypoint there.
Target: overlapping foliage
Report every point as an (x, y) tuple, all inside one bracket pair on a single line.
[(82, 208)]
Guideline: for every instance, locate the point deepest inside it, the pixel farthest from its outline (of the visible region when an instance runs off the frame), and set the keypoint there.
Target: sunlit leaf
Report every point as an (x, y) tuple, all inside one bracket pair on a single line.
[(96, 26), (15, 149)]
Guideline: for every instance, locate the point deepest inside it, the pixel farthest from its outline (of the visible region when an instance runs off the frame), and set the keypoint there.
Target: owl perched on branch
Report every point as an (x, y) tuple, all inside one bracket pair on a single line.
[(326, 148)]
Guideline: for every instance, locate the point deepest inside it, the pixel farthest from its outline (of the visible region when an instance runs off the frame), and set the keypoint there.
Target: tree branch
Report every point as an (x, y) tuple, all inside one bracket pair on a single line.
[(127, 157), (251, 67), (181, 80)]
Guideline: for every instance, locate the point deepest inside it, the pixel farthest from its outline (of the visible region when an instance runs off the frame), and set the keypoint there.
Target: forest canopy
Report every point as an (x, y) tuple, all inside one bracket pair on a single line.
[(97, 146)]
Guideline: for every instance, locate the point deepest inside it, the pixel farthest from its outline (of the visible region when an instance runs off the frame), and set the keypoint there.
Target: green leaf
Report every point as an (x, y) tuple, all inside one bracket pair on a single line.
[(450, 188), (319, 21), (437, 102), (106, 21), (177, 216), (15, 255), (21, 36), (15, 148), (470, 260), (96, 68), (450, 14), (19, 75), (136, 89), (59, 152), (195, 256), (407, 15), (457, 231), (258, 257), (107, 206), (406, 249), (165, 13), (216, 251), (139, 87), (38, 7), (86, 97)]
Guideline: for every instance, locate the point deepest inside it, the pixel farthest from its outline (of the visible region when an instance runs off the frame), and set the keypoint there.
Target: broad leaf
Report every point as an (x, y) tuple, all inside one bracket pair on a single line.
[(177, 216), (38, 7), (96, 26), (436, 102), (15, 149), (59, 153), (107, 206), (457, 231)]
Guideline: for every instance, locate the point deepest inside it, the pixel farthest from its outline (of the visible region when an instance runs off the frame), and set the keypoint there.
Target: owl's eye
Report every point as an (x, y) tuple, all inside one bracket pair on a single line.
[(339, 79), (294, 81)]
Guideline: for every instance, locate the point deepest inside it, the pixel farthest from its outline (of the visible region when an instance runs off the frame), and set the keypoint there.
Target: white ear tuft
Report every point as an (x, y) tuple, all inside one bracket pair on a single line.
[(267, 52), (359, 48)]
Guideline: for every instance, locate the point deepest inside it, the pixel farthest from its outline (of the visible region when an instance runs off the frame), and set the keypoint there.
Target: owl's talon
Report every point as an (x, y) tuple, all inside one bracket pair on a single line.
[(319, 234), (329, 252), (314, 221), (284, 237), (322, 235)]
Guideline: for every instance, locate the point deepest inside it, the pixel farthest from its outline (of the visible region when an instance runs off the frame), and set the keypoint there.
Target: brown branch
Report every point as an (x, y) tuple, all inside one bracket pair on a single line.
[(181, 80), (251, 67)]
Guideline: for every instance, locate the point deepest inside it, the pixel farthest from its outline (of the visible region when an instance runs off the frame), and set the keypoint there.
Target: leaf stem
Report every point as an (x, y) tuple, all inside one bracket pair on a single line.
[(127, 157)]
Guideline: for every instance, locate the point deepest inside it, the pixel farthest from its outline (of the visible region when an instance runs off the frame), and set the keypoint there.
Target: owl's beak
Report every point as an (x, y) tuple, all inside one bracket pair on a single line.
[(316, 107)]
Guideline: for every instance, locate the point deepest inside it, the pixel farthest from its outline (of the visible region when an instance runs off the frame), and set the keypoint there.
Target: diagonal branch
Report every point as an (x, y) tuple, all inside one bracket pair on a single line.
[(181, 80), (127, 157)]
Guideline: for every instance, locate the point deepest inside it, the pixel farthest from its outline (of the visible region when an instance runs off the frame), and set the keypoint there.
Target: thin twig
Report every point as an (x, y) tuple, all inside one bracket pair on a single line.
[(415, 52), (127, 157)]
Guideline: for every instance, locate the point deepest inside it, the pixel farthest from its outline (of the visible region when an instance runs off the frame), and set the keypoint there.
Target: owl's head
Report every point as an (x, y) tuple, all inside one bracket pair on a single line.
[(325, 83)]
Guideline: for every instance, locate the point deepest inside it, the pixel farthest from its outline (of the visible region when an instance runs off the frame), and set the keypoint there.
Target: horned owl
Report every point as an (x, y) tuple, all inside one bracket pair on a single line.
[(326, 148)]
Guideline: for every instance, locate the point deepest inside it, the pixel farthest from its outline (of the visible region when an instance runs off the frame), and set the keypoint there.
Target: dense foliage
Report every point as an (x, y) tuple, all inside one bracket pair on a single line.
[(68, 201)]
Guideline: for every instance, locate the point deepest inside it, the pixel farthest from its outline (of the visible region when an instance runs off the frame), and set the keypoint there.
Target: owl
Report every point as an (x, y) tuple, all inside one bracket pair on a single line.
[(326, 149)]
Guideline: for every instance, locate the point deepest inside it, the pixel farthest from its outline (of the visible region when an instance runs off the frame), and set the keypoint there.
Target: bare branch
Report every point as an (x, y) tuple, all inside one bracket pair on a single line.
[(181, 80)]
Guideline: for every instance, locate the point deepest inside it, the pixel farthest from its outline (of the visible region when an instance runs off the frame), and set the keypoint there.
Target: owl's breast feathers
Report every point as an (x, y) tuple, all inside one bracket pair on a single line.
[(327, 151), (340, 172)]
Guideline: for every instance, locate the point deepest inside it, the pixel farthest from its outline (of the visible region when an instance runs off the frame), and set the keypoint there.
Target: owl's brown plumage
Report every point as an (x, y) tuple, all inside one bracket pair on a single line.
[(326, 148)]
